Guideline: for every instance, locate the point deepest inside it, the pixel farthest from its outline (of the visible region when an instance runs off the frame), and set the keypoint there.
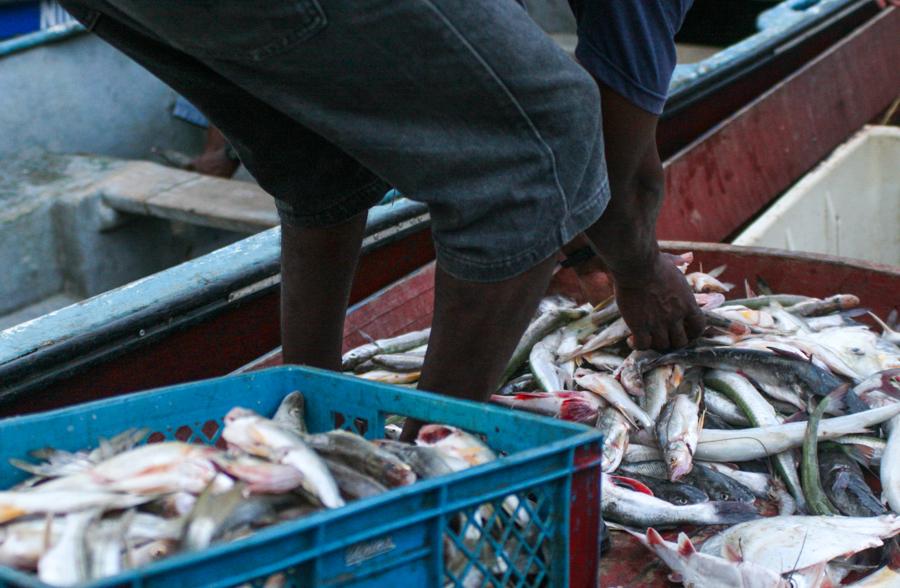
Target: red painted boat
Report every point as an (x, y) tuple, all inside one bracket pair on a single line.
[(407, 305), (716, 184)]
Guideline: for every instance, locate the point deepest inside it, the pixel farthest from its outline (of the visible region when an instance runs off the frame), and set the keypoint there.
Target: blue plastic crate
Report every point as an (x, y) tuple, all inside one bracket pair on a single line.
[(397, 538)]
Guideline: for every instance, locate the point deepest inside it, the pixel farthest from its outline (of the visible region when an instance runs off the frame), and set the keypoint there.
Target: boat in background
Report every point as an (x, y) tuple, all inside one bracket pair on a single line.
[(214, 314)]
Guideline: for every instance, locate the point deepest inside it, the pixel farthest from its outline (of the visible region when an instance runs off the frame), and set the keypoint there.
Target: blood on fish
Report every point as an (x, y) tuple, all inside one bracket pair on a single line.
[(577, 410), (434, 433)]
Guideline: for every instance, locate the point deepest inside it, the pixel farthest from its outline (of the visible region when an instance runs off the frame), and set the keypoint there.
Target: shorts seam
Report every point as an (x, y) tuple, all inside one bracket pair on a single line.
[(553, 241), (350, 204), (536, 134)]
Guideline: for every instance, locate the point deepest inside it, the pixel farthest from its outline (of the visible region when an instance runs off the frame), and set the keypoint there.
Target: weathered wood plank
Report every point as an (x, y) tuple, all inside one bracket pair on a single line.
[(155, 190)]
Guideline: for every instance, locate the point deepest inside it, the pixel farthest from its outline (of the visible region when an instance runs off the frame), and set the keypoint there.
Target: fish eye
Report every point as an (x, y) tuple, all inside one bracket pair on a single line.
[(680, 500), (724, 496)]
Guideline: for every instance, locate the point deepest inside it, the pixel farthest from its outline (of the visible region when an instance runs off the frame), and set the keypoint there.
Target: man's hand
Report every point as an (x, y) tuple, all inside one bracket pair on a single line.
[(658, 305)]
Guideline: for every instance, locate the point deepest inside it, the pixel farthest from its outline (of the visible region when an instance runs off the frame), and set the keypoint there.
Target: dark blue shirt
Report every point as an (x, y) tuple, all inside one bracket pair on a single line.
[(629, 45)]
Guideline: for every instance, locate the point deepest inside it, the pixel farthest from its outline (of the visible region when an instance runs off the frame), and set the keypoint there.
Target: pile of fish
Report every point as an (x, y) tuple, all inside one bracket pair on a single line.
[(91, 514), (787, 406)]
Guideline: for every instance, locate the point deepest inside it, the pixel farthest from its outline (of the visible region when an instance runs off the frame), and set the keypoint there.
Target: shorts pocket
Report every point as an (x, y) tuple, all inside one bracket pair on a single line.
[(231, 31)]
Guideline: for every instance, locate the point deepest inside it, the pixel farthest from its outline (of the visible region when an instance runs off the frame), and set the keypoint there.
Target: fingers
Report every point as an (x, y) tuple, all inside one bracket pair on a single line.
[(677, 336), (660, 337), (694, 325), (641, 339)]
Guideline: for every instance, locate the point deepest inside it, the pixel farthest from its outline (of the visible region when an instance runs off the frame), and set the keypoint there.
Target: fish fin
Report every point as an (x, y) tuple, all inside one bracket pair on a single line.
[(717, 271), (654, 538), (865, 452), (763, 287), (894, 555), (886, 331), (837, 399), (631, 484), (789, 354), (841, 481), (748, 293), (685, 547), (731, 554), (732, 512), (797, 417)]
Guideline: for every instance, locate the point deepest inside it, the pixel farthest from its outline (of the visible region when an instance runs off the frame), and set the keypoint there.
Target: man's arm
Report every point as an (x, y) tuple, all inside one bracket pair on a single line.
[(653, 296)]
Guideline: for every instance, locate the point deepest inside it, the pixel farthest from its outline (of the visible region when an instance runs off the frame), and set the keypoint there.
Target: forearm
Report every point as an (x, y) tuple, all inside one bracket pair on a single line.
[(625, 236)]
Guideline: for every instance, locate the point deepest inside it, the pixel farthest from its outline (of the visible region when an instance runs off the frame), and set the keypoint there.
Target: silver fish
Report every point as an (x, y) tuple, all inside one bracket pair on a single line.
[(865, 449), (210, 510), (695, 568), (262, 437), (720, 405), (356, 452), (427, 462), (400, 362), (760, 413), (659, 384), (105, 543), (787, 543), (814, 307), (542, 361), (354, 484), (66, 563), (678, 427), (569, 405), (615, 431), (641, 510), (748, 444), (608, 388), (17, 504), (614, 333), (545, 324), (631, 373), (291, 413), (605, 362), (23, 543), (397, 344)]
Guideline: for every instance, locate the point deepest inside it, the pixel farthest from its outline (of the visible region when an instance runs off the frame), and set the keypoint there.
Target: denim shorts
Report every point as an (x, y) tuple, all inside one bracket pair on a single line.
[(464, 105)]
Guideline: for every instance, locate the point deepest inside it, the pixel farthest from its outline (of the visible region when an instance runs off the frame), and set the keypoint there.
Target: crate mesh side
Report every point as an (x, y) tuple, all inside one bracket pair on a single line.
[(511, 541)]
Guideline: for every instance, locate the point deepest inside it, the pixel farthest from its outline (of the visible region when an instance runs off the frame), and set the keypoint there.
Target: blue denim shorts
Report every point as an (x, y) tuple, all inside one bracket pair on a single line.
[(466, 106)]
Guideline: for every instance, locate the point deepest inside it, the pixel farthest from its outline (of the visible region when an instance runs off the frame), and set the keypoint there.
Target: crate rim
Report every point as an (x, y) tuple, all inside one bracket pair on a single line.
[(581, 436), (388, 388)]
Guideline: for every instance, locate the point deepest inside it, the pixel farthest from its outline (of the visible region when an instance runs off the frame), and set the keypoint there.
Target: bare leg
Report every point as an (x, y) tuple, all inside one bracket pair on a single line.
[(317, 268), (476, 327)]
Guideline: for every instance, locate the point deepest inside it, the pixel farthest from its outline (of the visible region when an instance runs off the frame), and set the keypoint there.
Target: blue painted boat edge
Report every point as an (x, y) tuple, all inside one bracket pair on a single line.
[(777, 25), (39, 38)]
